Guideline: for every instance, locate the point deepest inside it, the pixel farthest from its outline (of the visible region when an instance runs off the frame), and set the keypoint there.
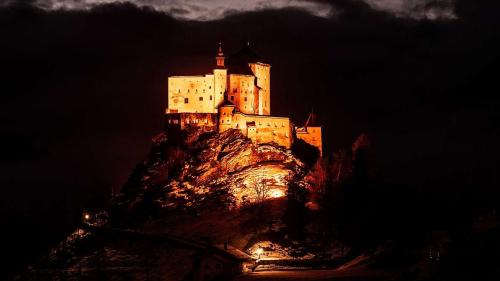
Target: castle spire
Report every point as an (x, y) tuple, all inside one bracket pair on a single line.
[(311, 120), (220, 56)]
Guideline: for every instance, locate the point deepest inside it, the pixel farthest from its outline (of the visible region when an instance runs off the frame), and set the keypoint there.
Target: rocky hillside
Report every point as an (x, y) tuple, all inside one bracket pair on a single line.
[(217, 170), (209, 187)]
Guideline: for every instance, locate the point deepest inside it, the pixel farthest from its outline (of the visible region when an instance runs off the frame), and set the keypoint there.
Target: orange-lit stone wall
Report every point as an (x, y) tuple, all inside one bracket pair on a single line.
[(220, 85), (262, 74), (311, 135), (263, 129), (182, 121), (241, 92), (193, 94), (226, 114)]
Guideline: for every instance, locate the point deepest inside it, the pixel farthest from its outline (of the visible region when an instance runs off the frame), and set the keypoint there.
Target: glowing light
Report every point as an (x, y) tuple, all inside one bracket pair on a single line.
[(259, 251), (276, 193), (86, 216)]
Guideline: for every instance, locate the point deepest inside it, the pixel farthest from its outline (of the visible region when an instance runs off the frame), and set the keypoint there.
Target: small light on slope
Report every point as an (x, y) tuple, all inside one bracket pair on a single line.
[(259, 252), (276, 193)]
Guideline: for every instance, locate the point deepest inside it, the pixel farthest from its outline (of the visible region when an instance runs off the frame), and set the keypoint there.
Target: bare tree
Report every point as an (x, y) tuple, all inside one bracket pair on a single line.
[(261, 188), (341, 165), (317, 177)]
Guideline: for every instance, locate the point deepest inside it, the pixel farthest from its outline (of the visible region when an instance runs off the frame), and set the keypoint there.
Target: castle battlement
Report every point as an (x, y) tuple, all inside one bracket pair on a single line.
[(237, 95)]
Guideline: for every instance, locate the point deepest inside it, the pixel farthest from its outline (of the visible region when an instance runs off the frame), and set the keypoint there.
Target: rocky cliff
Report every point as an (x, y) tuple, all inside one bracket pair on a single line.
[(225, 169)]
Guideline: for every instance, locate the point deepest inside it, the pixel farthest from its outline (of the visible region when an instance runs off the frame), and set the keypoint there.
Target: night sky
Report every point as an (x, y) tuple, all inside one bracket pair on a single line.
[(83, 90)]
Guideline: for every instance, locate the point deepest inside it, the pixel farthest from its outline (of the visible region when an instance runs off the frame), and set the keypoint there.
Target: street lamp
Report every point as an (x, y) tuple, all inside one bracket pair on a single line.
[(86, 216)]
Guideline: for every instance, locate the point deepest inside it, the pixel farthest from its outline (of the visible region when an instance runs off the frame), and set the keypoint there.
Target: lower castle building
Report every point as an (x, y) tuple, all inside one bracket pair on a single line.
[(237, 95)]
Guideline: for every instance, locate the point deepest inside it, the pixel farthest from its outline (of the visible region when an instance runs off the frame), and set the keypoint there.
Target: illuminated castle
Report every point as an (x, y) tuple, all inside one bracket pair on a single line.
[(237, 95)]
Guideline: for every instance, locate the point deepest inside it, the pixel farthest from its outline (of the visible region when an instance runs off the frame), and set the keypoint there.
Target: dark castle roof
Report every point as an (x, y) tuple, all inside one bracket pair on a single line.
[(238, 62), (312, 120)]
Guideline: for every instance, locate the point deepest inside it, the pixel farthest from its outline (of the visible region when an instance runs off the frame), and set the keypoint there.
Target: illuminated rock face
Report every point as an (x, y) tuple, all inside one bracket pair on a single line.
[(228, 161), (239, 94)]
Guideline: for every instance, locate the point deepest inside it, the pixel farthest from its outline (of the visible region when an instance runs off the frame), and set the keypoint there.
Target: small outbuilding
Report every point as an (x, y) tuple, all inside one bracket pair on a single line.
[(222, 262)]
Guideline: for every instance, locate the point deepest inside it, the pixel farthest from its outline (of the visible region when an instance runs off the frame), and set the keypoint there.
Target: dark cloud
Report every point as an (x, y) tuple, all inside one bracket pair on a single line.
[(218, 9), (178, 11)]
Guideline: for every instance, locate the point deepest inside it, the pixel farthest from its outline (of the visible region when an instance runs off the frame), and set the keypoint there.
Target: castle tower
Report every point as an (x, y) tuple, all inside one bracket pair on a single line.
[(226, 114), (249, 82), (311, 132), (220, 79), (220, 57)]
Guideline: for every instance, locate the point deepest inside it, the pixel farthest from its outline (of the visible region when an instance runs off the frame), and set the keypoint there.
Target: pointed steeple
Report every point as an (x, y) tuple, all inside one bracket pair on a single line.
[(311, 120), (220, 56)]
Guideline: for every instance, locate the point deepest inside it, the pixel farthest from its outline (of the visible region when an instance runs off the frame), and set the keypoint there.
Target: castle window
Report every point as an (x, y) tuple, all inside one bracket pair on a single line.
[(186, 100), (196, 90), (210, 87), (245, 98), (203, 90), (206, 121), (210, 97), (179, 91), (201, 98), (188, 90), (222, 121), (176, 121), (232, 98), (234, 90)]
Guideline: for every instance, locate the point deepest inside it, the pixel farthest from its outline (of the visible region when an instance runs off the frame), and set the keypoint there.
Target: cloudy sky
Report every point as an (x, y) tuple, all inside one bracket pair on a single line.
[(206, 10)]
